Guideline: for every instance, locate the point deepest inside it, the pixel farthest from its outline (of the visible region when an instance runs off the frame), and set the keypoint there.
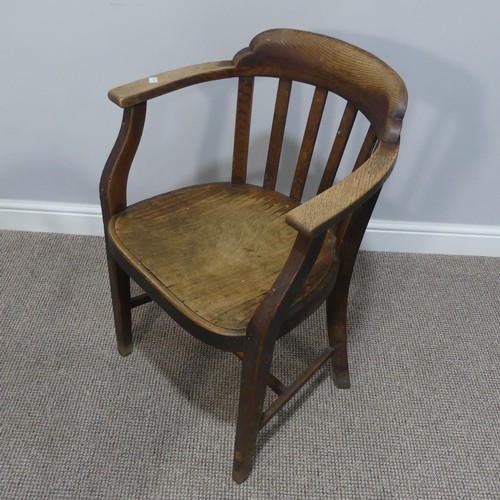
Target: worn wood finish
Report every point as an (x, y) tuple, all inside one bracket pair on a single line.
[(143, 90), (277, 133), (354, 74), (308, 142), (338, 148), (366, 148), (293, 388), (242, 129), (113, 194), (113, 184), (140, 300), (238, 239), (336, 304), (262, 333), (333, 205), (239, 266), (120, 296), (275, 384), (365, 152)]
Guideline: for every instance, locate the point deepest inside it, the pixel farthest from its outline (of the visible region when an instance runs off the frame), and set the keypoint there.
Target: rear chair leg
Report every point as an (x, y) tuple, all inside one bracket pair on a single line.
[(336, 317), (120, 295), (350, 234)]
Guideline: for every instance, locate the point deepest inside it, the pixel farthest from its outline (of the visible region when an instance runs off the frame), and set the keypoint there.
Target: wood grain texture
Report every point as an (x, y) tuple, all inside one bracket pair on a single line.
[(356, 75), (308, 143), (114, 177), (242, 129), (142, 90), (331, 206), (216, 249), (298, 383), (338, 148), (275, 384), (277, 133), (367, 147), (262, 333)]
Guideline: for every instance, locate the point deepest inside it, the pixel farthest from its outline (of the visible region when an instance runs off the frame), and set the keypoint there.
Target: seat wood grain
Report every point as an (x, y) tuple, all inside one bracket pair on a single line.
[(215, 250)]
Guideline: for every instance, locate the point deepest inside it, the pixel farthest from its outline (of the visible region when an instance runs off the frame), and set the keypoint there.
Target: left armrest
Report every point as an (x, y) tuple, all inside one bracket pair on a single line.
[(145, 89)]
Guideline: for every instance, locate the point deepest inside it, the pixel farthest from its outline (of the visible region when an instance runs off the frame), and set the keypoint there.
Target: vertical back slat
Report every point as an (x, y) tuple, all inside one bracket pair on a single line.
[(242, 129), (308, 142), (367, 147), (338, 147), (277, 133)]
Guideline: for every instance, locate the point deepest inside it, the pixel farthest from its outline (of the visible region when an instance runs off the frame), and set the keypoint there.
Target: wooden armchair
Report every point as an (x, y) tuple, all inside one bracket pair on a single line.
[(237, 265)]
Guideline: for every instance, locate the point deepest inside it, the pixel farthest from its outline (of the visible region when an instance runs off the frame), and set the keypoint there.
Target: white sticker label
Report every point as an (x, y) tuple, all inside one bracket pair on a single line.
[(153, 79)]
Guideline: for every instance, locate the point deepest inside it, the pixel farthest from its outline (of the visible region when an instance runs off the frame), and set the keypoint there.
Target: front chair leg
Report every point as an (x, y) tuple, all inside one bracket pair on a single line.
[(262, 332), (336, 317), (120, 295), (254, 376)]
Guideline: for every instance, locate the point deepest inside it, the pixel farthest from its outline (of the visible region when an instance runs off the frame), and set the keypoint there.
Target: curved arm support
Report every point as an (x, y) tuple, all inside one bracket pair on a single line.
[(270, 314), (266, 322), (113, 185), (331, 206)]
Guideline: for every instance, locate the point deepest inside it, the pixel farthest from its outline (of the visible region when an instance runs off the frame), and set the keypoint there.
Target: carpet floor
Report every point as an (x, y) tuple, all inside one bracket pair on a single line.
[(79, 421)]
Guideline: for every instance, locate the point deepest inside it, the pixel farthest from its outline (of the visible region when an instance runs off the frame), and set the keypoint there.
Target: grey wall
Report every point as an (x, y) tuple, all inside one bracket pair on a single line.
[(59, 57)]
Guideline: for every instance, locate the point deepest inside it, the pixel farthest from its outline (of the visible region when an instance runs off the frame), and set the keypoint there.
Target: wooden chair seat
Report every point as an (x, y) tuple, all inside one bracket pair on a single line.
[(213, 251)]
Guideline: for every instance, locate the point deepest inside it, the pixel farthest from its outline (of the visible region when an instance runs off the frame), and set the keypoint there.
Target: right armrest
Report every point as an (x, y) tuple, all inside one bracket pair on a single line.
[(331, 206), (141, 90)]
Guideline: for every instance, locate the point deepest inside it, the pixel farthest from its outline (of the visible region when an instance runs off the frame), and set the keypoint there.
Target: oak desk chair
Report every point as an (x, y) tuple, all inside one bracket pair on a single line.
[(237, 265)]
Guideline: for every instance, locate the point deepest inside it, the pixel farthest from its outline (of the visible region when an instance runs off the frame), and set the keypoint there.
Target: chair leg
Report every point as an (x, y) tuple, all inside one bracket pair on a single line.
[(350, 233), (336, 317), (254, 375), (120, 295)]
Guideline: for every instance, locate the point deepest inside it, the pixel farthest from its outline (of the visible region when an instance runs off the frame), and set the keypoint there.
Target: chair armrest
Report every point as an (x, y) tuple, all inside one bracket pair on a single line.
[(331, 206), (139, 91)]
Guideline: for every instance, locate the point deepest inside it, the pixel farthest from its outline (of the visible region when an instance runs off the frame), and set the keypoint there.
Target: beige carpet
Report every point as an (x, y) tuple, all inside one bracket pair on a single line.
[(79, 421)]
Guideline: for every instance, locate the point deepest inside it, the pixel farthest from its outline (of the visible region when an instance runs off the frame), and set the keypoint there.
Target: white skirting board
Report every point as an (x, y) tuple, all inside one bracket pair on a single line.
[(387, 236), (51, 217), (417, 237)]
